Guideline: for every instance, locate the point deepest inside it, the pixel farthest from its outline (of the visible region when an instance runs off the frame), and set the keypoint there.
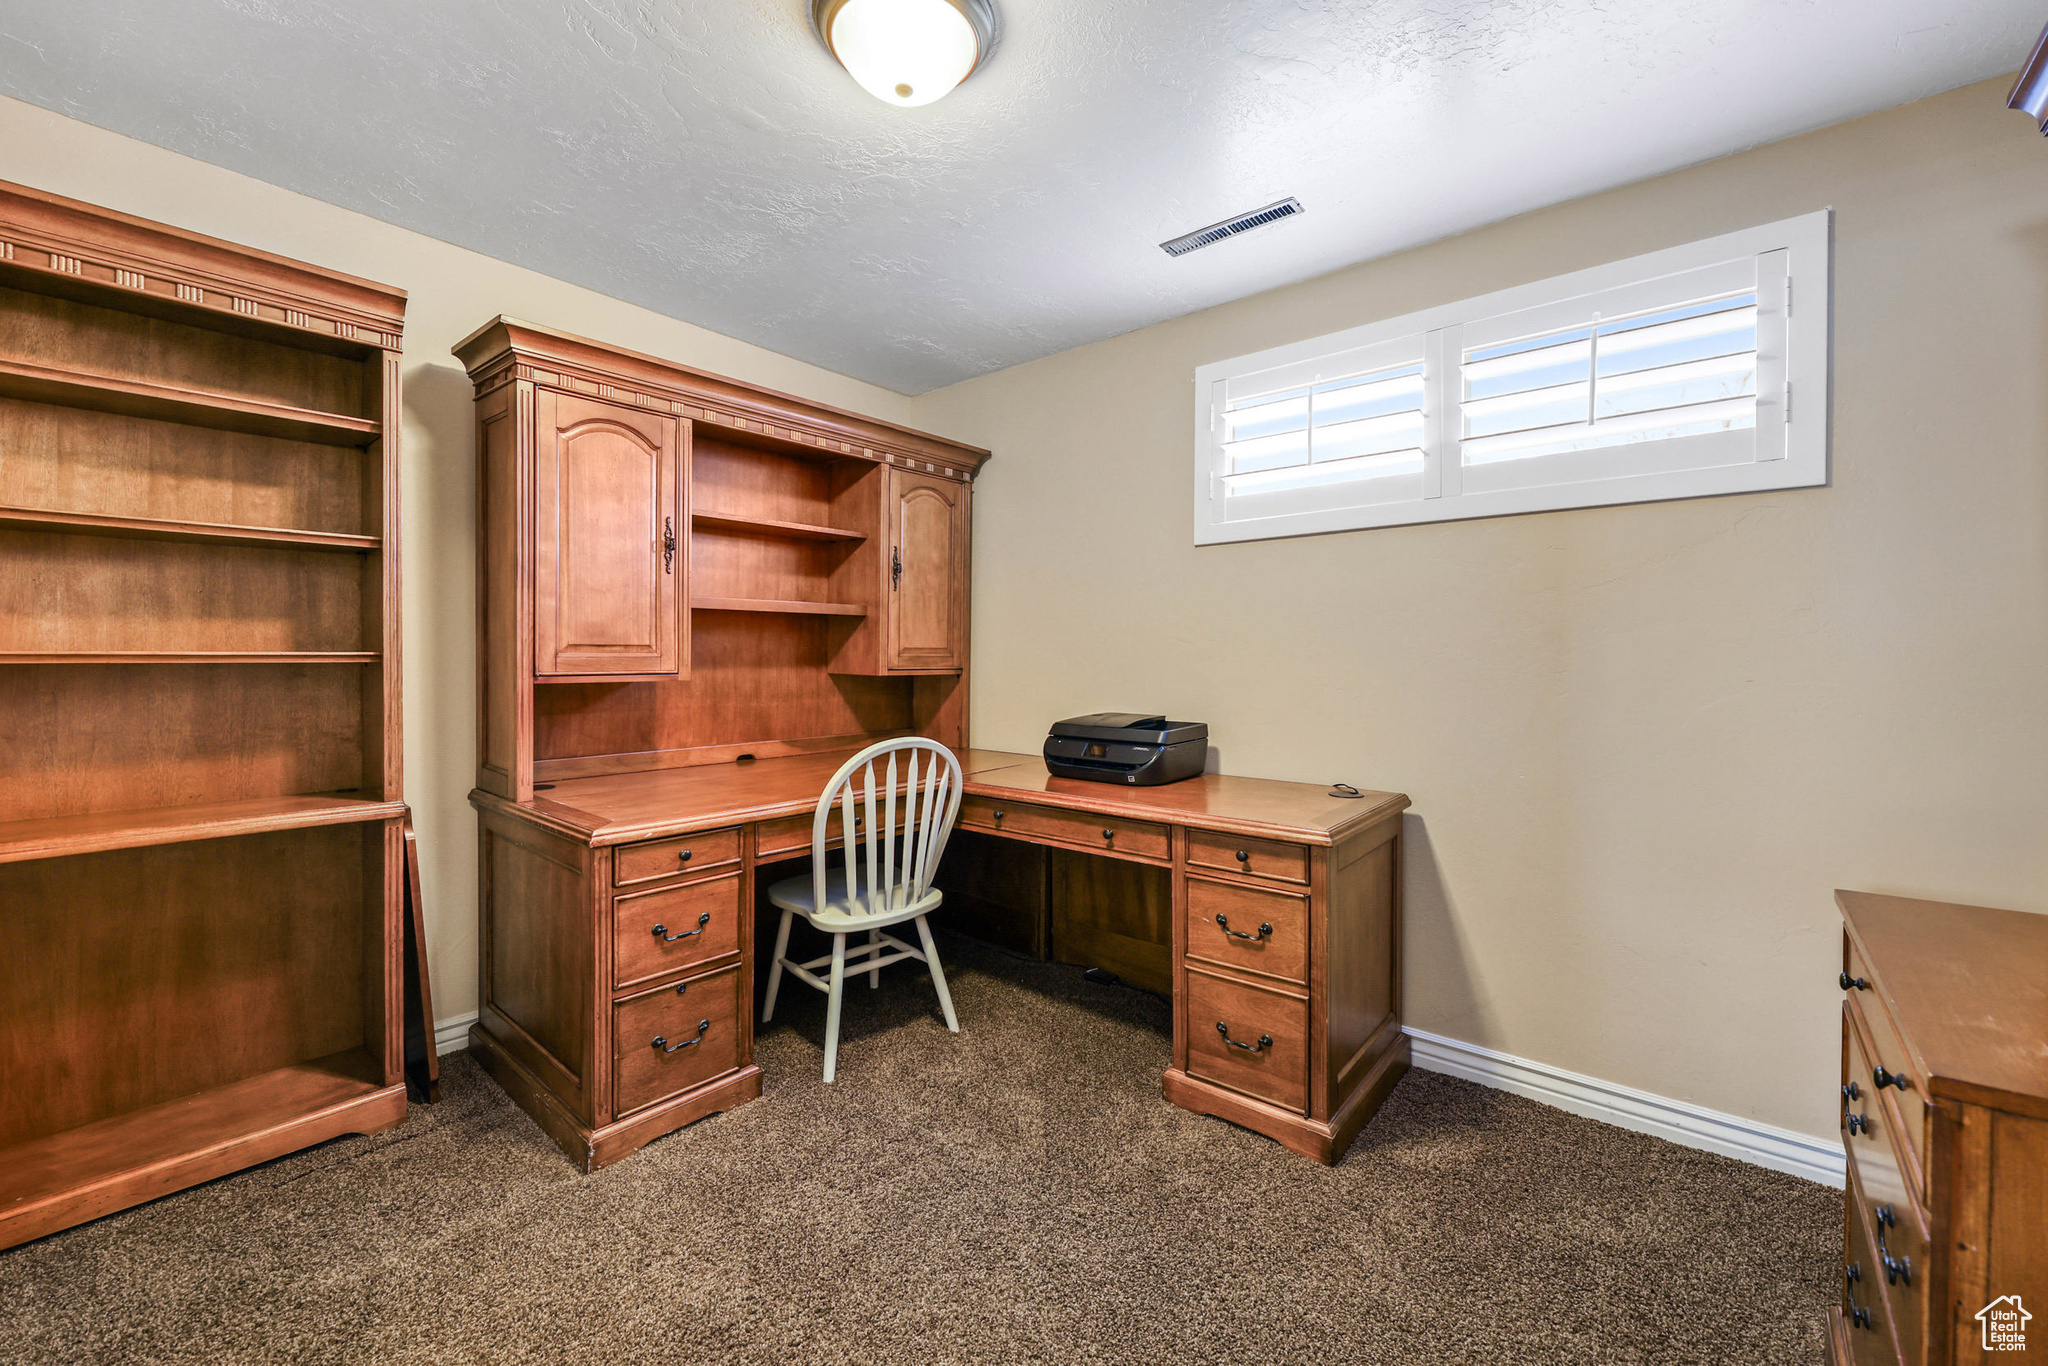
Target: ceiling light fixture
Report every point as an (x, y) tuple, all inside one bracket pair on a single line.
[(907, 52)]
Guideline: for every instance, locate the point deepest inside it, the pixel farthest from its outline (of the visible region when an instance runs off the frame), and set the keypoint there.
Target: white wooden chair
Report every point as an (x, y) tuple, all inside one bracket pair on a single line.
[(885, 877)]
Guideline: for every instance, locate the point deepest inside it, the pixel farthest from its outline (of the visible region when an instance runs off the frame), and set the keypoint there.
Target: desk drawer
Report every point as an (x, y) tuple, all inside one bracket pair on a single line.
[(1105, 834), (790, 836), (660, 931), (1864, 1311), (1248, 928), (673, 1038), (1264, 1052), (651, 859), (1253, 858), (1888, 1204), (1889, 1050)]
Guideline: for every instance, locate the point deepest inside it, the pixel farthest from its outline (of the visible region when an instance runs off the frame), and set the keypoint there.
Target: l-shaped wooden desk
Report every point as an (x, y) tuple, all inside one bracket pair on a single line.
[(618, 929)]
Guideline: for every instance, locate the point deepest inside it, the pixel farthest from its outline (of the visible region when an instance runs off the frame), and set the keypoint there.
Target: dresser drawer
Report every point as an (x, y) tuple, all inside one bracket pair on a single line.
[(1869, 1138), (790, 836), (1890, 1052), (1868, 1321), (651, 859), (658, 932), (1247, 927), (1248, 1039), (1107, 834), (673, 1038), (1254, 858)]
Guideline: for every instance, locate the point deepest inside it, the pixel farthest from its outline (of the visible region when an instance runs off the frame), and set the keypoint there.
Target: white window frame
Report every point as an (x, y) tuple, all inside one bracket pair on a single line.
[(1787, 448)]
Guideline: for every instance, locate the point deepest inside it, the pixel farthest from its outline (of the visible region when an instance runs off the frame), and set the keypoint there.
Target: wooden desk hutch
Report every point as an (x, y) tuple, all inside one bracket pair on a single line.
[(200, 846), (697, 597)]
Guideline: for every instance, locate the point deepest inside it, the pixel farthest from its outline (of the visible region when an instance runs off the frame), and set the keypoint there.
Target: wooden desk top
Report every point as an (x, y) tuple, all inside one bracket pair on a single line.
[(1970, 986), (622, 807)]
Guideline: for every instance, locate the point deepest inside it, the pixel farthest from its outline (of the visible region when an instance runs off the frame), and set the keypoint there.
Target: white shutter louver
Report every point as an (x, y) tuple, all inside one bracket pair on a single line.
[(1666, 376)]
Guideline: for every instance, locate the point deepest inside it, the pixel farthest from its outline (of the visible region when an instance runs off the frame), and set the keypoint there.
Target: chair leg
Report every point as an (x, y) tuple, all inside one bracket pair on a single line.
[(775, 972), (931, 958), (832, 1005), (875, 952)]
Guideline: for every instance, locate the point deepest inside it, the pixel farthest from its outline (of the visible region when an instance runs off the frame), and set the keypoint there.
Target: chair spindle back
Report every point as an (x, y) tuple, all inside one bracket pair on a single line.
[(899, 859)]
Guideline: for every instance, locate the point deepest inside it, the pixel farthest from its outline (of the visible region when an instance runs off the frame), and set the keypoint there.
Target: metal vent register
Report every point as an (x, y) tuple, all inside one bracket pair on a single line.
[(1231, 227)]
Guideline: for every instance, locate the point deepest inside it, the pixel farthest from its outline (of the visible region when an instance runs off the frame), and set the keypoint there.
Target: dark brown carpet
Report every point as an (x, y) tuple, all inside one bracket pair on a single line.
[(1018, 1193)]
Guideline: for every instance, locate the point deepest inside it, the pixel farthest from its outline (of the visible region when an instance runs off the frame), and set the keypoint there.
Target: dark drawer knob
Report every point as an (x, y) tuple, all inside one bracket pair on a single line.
[(683, 856), (1858, 1124), (665, 1046), (1852, 1092), (1881, 1078), (1265, 1040), (997, 814), (1108, 834), (1244, 856), (661, 931), (1224, 921), (1854, 983)]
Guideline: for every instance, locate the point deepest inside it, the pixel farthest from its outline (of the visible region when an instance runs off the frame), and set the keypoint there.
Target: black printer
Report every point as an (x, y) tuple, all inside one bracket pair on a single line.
[(1127, 747)]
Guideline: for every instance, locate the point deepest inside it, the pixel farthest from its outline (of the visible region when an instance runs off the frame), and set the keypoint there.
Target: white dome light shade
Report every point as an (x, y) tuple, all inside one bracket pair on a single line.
[(906, 52)]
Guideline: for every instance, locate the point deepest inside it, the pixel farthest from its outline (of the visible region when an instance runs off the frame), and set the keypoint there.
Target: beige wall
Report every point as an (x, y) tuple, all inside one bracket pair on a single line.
[(453, 291), (1644, 743)]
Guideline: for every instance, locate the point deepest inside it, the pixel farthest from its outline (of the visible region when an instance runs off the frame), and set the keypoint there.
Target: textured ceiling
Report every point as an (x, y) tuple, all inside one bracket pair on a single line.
[(707, 159)]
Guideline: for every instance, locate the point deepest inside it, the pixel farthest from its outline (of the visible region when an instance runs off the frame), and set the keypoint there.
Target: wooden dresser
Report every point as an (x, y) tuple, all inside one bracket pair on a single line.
[(678, 574), (1945, 1120)]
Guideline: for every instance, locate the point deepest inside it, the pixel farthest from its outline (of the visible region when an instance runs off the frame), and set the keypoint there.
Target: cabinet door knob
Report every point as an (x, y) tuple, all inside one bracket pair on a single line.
[(895, 568), (668, 545), (1854, 983)]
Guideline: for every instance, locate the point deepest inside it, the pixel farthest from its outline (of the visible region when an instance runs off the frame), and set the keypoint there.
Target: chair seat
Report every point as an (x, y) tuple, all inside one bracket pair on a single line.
[(836, 916)]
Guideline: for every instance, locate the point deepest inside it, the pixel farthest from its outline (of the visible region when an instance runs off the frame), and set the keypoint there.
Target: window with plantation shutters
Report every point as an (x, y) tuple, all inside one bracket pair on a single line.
[(1665, 376)]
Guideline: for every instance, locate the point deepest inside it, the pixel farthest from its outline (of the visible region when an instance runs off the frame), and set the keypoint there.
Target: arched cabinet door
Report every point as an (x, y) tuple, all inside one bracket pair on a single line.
[(927, 572), (611, 531)]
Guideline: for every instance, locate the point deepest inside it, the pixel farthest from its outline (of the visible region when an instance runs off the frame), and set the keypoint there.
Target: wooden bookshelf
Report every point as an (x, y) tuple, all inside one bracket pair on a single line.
[(784, 606), (768, 526), (199, 633), (52, 1183), (196, 407), (165, 529), (62, 836)]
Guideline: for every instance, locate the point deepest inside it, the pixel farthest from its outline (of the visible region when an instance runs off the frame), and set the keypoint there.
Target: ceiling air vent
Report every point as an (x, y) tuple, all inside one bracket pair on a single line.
[(1231, 227)]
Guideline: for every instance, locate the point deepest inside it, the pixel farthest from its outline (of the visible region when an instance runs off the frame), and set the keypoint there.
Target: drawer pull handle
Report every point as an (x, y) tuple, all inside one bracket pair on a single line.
[(1881, 1078), (1852, 1092), (1265, 1040), (1858, 1123), (1108, 834), (661, 931), (665, 1046), (1859, 1317), (1224, 921), (1896, 1269), (683, 856), (1854, 983), (1244, 856)]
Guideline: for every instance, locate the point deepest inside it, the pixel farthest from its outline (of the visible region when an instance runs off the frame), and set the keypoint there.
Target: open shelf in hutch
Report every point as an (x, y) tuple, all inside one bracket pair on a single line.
[(785, 603), (199, 844)]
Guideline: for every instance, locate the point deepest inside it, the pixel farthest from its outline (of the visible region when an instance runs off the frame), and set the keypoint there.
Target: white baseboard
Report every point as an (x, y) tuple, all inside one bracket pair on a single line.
[(1692, 1125), (452, 1034)]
